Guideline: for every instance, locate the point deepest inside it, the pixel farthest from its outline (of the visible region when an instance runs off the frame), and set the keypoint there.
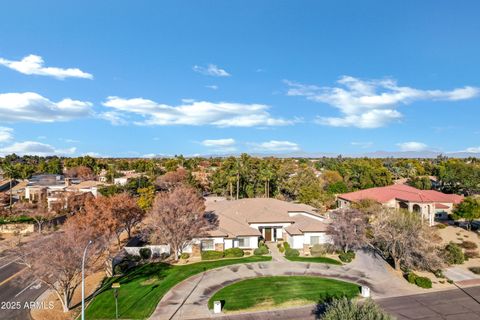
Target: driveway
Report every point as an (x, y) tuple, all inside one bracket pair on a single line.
[(188, 300)]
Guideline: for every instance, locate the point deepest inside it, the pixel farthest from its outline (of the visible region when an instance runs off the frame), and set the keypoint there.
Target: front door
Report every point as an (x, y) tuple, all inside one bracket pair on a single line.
[(268, 234)]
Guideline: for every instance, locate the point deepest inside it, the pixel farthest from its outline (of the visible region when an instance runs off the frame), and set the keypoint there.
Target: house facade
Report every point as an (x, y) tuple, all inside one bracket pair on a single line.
[(430, 204), (243, 223)]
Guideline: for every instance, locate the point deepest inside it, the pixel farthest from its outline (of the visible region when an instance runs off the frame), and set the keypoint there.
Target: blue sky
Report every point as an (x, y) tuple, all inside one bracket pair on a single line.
[(128, 79)]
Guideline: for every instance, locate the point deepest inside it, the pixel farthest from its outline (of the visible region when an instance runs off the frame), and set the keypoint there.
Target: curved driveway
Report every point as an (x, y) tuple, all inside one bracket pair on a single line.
[(188, 300)]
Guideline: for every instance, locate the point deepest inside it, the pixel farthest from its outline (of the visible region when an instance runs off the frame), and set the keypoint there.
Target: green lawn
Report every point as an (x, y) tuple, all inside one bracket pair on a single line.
[(272, 291), (315, 260), (144, 287)]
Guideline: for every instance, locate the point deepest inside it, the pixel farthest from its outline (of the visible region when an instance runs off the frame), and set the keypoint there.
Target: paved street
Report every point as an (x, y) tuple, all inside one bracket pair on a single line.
[(444, 305), (16, 289)]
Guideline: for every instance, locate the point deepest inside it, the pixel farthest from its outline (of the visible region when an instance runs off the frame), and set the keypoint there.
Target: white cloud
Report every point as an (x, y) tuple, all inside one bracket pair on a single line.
[(371, 103), (218, 142), (30, 106), (366, 144), (220, 145), (35, 148), (196, 113), (213, 87), (275, 146), (473, 150), (6, 134), (211, 70), (33, 64), (412, 146), (113, 117)]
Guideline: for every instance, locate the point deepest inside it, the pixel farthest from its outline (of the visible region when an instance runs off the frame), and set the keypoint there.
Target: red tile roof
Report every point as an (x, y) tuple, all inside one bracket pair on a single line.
[(401, 192)]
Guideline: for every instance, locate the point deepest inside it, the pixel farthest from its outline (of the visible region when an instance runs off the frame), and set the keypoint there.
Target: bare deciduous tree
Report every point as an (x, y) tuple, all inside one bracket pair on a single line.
[(172, 179), (403, 237), (177, 217), (347, 229), (55, 260)]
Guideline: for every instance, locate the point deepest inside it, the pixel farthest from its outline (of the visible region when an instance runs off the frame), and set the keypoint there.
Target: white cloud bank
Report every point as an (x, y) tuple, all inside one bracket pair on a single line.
[(195, 113), (6, 134), (218, 142), (211, 70), (35, 148), (30, 106), (275, 146), (34, 65), (412, 146), (371, 103)]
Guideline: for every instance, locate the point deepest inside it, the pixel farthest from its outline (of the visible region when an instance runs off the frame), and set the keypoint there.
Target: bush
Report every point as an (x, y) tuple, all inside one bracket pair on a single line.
[(286, 245), (212, 255), (132, 258), (475, 270), (453, 254), (279, 245), (281, 249), (468, 245), (439, 273), (261, 243), (121, 267), (347, 256), (247, 253), (344, 309), (260, 251), (318, 250), (411, 277), (440, 226), (423, 282), (145, 253), (291, 253), (233, 253), (184, 256)]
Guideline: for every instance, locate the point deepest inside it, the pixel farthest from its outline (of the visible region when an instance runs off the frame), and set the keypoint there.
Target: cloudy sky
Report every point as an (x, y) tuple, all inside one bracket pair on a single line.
[(132, 79)]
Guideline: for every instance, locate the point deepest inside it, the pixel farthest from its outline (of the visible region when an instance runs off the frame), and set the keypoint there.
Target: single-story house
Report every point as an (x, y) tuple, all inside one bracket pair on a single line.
[(243, 223), (430, 204)]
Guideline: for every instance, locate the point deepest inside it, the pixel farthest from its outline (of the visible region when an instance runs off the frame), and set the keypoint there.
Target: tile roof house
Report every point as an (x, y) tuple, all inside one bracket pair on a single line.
[(243, 223), (429, 203)]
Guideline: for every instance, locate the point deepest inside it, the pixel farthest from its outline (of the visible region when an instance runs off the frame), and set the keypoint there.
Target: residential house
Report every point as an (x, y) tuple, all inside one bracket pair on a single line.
[(243, 223), (430, 204)]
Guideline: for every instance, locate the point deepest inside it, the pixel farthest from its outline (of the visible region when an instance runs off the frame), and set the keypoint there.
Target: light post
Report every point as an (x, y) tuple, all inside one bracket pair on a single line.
[(115, 287), (83, 278)]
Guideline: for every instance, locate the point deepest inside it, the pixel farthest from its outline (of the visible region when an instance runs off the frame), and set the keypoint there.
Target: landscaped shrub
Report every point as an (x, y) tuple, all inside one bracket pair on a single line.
[(212, 255), (440, 226), (260, 251), (344, 309), (411, 277), (423, 282), (261, 243), (471, 254), (247, 253), (438, 273), (281, 249), (286, 245), (279, 245), (347, 256), (131, 257), (475, 270), (121, 267), (318, 250), (291, 252), (184, 256), (468, 245), (145, 253), (233, 253), (453, 254)]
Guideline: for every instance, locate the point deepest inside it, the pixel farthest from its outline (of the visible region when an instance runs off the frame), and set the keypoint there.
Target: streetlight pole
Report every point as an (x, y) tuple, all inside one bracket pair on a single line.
[(115, 287), (83, 278)]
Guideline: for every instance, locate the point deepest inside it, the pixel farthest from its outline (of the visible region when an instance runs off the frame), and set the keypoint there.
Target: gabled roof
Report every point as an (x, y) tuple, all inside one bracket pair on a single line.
[(401, 192)]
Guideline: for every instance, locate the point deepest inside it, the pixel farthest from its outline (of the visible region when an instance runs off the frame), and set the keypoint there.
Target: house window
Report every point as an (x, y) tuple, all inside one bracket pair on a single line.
[(314, 240), (244, 242), (207, 245)]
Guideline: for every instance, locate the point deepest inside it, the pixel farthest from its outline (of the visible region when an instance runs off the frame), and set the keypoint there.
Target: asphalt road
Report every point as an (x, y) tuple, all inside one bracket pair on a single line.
[(18, 291), (442, 305)]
